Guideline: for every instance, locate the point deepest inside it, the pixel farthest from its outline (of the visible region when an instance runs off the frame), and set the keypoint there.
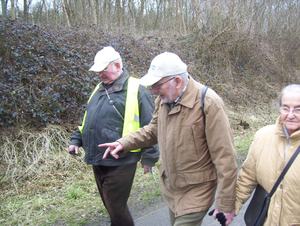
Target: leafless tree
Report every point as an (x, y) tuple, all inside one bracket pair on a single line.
[(67, 12), (25, 10), (46, 11), (271, 17), (12, 10), (93, 9), (4, 8)]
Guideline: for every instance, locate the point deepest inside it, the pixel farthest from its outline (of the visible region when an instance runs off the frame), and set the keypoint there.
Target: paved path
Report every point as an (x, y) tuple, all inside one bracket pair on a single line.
[(160, 217)]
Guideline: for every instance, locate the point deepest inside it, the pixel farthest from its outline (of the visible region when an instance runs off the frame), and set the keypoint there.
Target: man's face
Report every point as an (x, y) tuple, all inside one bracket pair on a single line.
[(290, 102), (166, 90), (109, 74)]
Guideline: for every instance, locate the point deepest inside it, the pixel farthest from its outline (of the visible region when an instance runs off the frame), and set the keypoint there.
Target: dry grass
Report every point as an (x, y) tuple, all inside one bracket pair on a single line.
[(41, 183), (246, 121), (38, 158), (39, 179)]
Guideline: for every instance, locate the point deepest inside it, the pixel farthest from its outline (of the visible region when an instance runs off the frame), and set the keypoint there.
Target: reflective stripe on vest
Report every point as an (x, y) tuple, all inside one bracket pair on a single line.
[(80, 128), (132, 115), (131, 119)]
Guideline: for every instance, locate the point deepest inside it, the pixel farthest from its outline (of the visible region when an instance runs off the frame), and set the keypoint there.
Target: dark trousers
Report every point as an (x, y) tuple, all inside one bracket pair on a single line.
[(114, 184)]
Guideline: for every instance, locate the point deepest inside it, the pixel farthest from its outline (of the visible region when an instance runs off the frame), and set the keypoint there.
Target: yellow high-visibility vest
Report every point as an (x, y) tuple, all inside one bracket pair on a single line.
[(132, 114)]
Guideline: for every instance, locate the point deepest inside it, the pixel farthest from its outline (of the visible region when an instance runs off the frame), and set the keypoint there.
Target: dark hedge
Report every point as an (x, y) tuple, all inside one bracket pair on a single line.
[(44, 71)]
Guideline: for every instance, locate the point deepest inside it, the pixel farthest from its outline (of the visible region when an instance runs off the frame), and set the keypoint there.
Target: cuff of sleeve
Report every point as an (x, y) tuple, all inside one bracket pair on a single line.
[(147, 163), (123, 143), (225, 205), (238, 207)]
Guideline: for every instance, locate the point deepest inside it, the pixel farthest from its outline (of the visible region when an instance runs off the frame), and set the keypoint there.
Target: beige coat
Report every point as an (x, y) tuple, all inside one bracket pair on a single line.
[(193, 160), (264, 163)]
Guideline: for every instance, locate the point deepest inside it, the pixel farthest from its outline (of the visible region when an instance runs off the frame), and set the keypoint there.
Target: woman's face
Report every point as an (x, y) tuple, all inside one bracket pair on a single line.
[(290, 100)]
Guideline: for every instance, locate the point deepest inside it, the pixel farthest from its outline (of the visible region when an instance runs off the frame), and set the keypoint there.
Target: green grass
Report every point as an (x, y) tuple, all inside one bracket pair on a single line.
[(70, 206), (41, 184), (150, 196), (242, 147)]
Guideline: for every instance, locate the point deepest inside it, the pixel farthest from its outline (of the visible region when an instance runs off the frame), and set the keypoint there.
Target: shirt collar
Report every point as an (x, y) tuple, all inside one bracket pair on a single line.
[(179, 97)]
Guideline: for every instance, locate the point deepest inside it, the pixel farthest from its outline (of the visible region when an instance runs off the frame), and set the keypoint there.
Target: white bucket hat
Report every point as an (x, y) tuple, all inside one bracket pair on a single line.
[(163, 65), (103, 58)]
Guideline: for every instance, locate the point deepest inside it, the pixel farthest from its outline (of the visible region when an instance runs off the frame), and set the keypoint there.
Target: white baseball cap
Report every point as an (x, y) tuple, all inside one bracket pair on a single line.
[(163, 65), (103, 58)]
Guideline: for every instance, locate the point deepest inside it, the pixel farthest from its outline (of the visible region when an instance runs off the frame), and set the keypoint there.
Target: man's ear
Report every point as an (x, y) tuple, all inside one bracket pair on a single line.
[(178, 82), (118, 65)]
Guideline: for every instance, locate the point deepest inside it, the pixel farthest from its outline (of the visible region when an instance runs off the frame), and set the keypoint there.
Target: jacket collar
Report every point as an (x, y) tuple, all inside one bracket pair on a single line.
[(281, 131), (189, 96)]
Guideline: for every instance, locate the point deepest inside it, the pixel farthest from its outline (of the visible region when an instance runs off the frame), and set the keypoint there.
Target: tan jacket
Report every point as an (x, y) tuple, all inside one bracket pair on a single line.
[(193, 160), (264, 163)]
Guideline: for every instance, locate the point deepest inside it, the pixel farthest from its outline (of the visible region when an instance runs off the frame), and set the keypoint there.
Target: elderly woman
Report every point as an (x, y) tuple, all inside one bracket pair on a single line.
[(271, 149)]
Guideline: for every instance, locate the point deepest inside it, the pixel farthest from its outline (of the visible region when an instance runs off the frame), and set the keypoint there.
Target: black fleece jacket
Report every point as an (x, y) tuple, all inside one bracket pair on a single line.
[(103, 124)]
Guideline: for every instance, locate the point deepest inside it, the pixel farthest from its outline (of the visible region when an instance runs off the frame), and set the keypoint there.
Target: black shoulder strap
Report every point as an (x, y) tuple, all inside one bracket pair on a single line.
[(286, 168), (202, 101)]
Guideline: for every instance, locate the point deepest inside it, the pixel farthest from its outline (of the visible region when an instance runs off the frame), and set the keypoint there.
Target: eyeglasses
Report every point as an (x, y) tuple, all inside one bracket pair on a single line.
[(106, 69), (159, 85), (286, 110)]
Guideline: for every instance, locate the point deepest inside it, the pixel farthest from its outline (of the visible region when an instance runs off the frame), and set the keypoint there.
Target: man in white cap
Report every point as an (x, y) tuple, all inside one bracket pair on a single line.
[(117, 106), (197, 157)]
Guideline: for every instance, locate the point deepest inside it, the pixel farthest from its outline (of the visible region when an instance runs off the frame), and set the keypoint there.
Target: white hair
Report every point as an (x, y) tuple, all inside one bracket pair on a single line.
[(293, 87), (119, 60), (184, 76)]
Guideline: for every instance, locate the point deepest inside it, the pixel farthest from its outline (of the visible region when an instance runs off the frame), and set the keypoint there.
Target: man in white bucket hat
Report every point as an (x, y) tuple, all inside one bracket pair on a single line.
[(117, 106), (198, 155)]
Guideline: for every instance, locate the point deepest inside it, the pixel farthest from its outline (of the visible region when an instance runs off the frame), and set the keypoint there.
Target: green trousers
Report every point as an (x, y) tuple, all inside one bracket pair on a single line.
[(192, 219)]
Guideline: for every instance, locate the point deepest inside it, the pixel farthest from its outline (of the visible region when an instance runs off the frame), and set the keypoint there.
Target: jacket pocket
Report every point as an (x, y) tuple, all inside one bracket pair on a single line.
[(190, 149), (194, 177), (166, 189), (161, 170), (110, 134)]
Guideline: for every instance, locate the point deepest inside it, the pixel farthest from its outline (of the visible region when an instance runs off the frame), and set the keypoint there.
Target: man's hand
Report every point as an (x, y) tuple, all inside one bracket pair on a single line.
[(73, 148), (147, 169), (229, 216), (113, 148)]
